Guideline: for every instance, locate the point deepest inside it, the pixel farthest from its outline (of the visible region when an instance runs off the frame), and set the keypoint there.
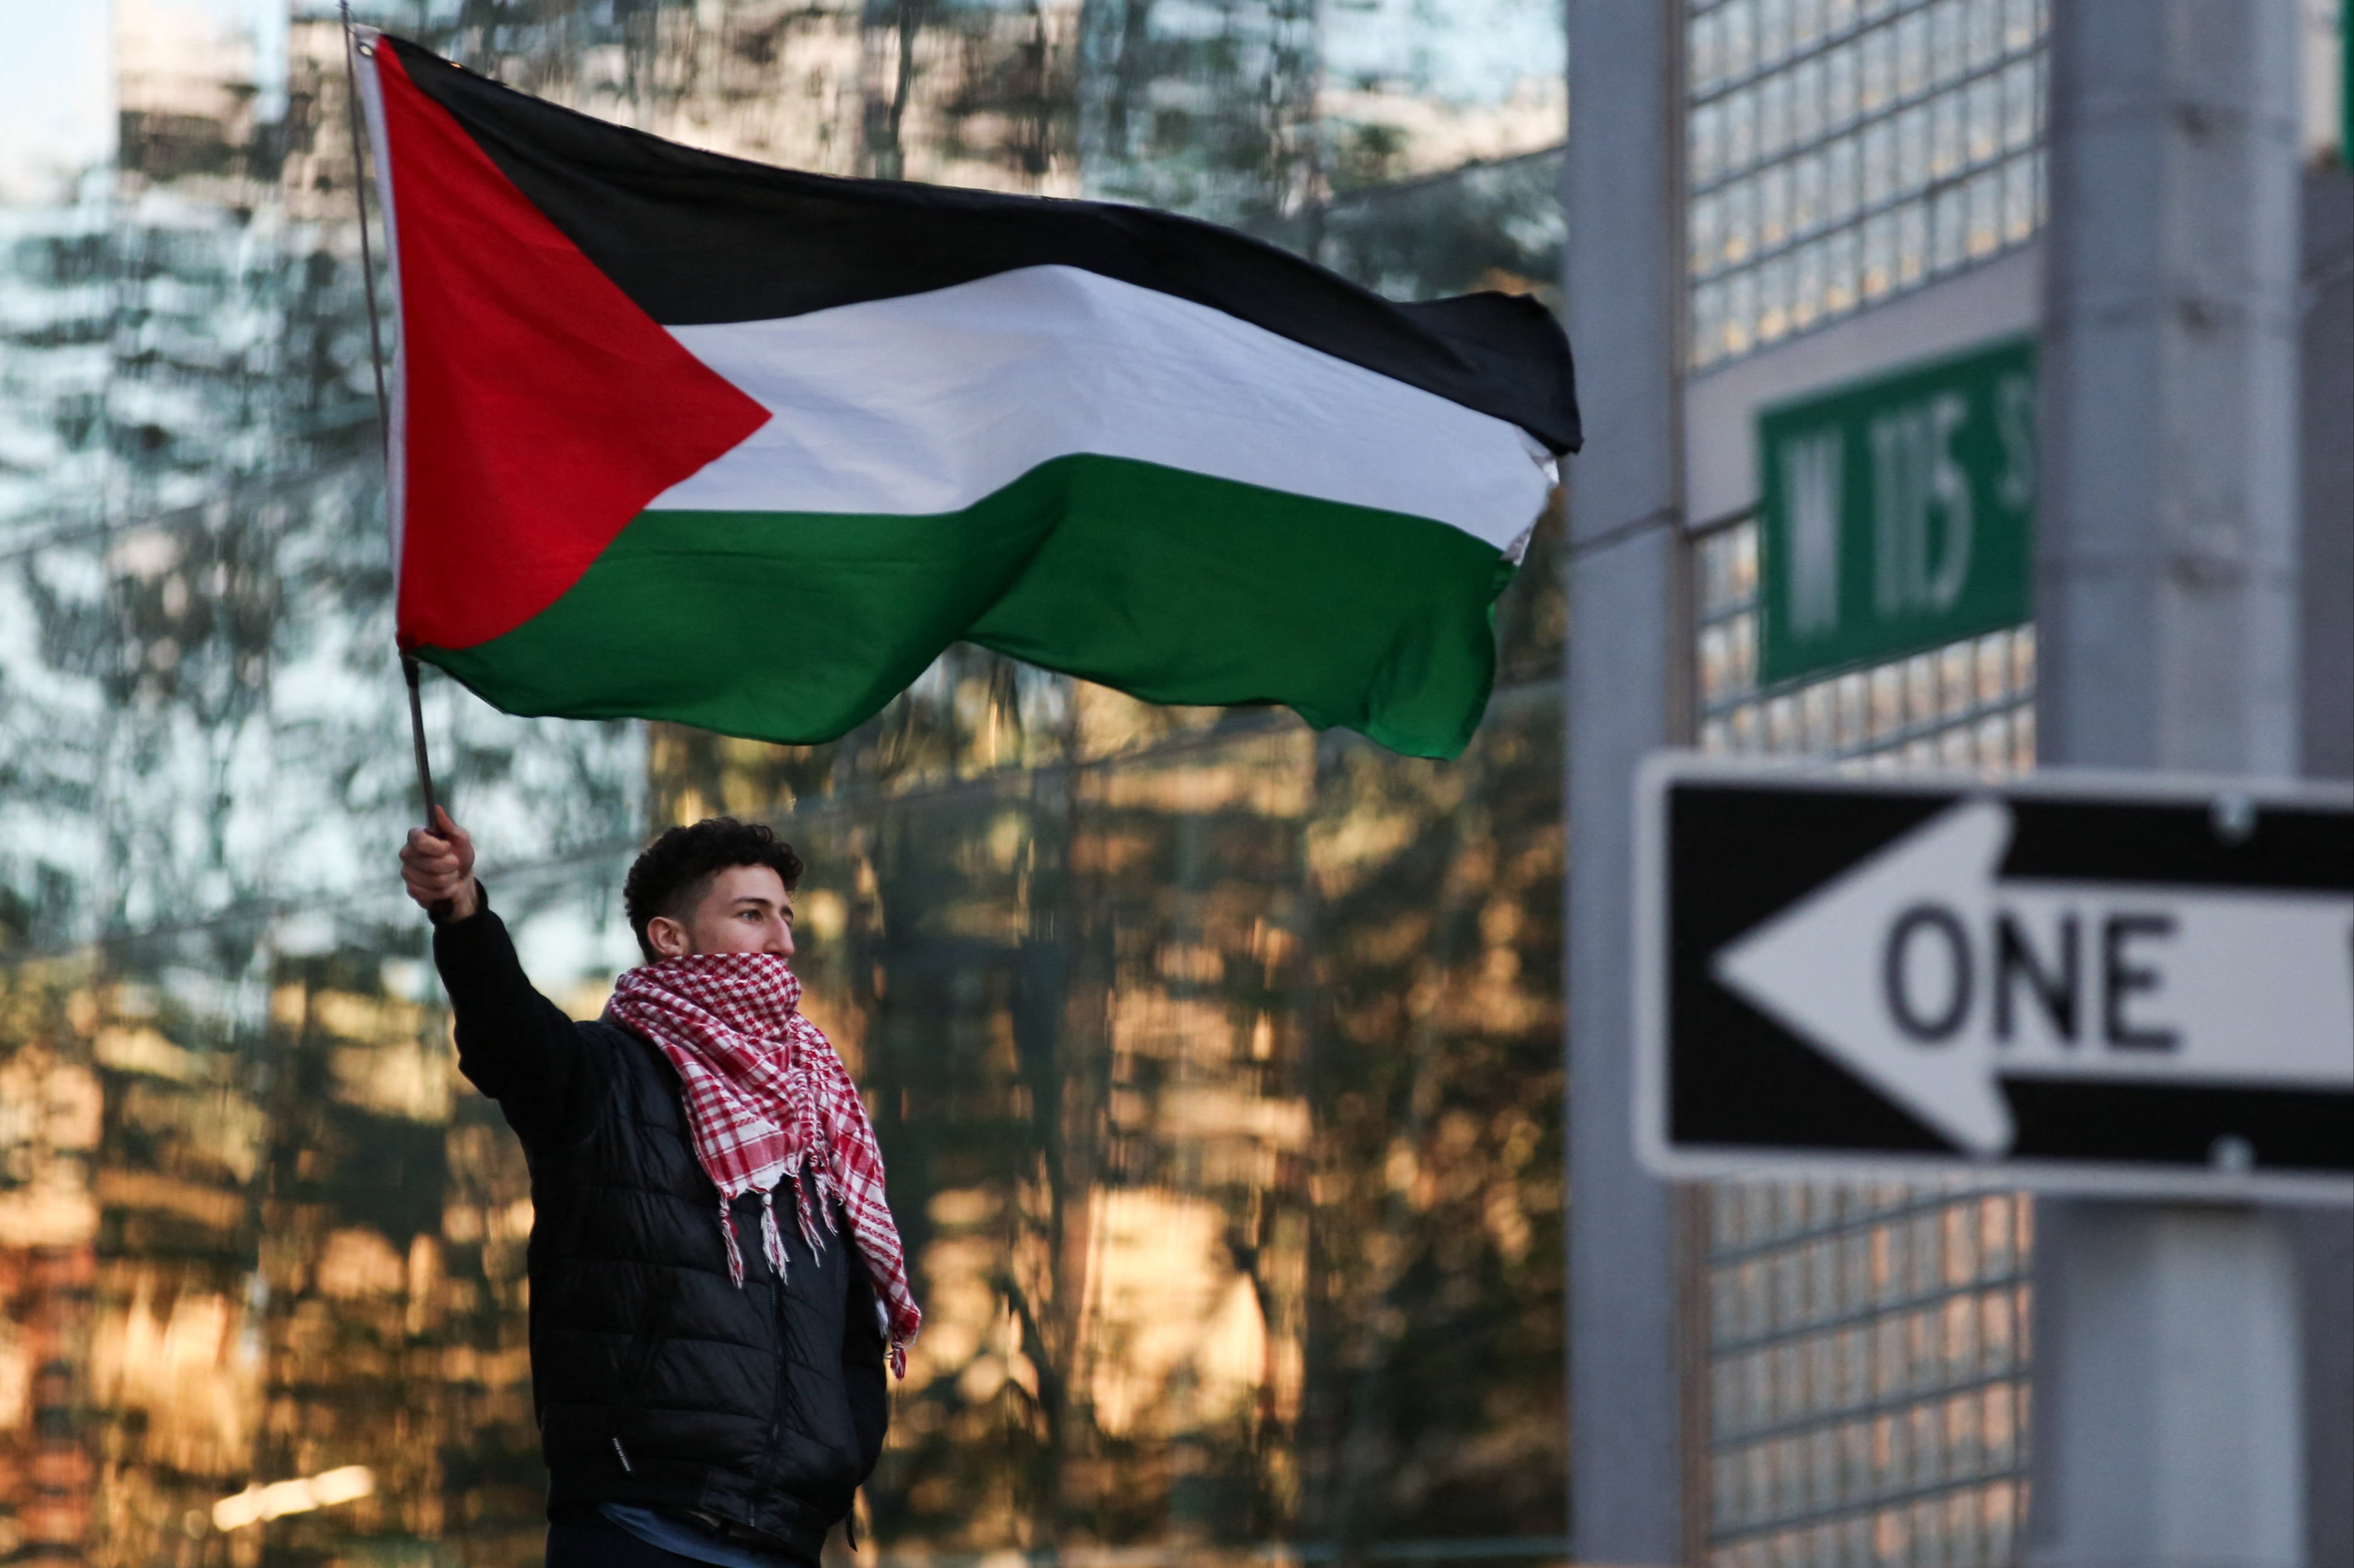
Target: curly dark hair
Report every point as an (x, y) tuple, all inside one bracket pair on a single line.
[(676, 870)]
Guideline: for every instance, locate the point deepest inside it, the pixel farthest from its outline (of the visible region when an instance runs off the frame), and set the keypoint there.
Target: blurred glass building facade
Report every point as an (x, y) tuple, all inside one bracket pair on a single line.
[(1840, 152), (1868, 1349), (1218, 1062)]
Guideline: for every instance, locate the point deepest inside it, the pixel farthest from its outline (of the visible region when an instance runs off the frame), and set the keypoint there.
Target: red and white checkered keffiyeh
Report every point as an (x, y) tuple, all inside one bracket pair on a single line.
[(767, 1099)]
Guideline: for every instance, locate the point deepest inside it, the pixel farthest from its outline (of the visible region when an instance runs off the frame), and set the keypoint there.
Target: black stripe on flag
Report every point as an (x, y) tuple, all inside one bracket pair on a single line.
[(696, 238)]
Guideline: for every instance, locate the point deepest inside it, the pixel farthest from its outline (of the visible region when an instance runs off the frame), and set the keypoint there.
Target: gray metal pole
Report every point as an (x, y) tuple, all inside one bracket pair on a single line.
[(2167, 1424), (1628, 647), (2326, 1244)]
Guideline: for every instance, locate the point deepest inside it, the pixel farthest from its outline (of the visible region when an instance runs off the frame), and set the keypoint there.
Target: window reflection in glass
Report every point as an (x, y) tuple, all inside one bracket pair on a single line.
[(1941, 88)]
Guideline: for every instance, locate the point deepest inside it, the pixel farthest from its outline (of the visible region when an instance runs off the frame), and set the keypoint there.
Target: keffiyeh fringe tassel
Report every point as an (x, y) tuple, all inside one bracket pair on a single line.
[(772, 1243)]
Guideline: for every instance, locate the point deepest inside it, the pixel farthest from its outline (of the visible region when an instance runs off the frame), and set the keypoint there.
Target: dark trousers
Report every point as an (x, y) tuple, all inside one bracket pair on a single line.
[(591, 1541)]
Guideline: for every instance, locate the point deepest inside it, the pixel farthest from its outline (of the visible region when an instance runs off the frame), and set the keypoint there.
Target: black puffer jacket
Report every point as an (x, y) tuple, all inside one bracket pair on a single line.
[(657, 1380)]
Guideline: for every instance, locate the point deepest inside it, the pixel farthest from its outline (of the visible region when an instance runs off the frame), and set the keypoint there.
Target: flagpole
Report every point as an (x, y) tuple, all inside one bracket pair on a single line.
[(409, 671), (417, 738), (367, 258)]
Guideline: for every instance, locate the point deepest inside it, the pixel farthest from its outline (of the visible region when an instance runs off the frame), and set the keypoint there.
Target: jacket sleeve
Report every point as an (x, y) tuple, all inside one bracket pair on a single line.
[(513, 1044), (863, 1376)]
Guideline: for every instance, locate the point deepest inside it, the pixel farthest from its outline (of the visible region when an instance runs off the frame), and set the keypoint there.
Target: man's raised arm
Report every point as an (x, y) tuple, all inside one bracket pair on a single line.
[(513, 1044)]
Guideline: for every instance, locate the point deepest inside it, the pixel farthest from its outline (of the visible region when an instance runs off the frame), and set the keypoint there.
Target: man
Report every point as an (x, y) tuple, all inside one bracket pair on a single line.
[(709, 1381)]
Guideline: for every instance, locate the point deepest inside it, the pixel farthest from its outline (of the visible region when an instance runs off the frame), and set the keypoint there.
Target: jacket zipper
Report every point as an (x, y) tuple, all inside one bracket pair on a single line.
[(775, 1456), (623, 1455)]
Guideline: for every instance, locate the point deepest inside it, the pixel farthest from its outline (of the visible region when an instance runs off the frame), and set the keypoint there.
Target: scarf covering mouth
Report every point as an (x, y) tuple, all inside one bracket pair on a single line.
[(769, 1100)]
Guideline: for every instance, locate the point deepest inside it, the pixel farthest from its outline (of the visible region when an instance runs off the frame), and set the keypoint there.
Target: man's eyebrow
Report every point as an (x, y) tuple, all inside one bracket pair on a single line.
[(785, 904)]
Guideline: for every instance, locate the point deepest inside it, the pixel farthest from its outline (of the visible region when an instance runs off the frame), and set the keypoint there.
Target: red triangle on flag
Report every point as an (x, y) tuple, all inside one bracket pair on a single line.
[(544, 408)]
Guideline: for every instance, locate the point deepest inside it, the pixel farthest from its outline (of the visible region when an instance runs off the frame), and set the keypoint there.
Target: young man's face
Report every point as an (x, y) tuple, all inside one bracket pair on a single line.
[(744, 910)]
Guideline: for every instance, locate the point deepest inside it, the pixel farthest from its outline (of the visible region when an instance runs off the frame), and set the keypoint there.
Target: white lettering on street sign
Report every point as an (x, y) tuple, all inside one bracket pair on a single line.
[(1811, 474), (1924, 972), (1914, 474)]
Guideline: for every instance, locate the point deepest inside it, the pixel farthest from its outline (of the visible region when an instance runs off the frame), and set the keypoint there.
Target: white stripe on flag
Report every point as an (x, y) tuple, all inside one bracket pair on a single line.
[(926, 403)]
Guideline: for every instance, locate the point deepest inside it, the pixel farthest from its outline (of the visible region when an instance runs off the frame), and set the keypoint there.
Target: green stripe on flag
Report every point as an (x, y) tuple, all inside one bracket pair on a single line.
[(795, 627)]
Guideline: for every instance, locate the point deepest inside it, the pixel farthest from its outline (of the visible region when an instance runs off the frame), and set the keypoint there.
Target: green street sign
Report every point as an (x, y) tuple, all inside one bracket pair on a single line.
[(1897, 514)]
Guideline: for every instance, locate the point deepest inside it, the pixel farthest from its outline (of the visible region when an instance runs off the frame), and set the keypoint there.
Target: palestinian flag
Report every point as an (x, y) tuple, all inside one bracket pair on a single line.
[(682, 436)]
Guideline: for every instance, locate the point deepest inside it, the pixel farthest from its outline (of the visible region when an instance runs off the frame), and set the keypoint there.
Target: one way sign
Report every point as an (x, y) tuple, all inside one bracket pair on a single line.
[(2115, 982)]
